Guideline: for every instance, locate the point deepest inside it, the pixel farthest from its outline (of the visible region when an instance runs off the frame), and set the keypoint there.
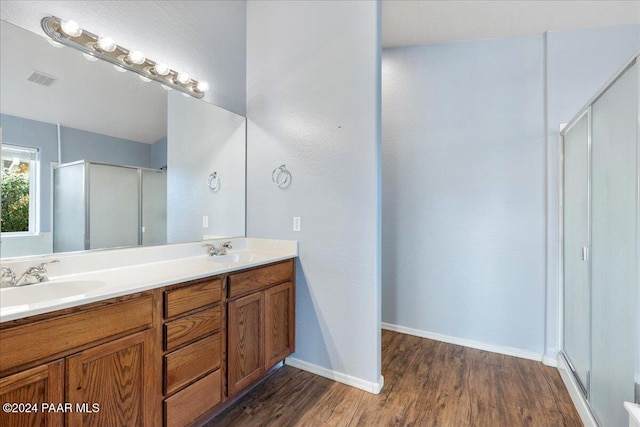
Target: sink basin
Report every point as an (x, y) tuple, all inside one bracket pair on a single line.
[(236, 258), (67, 290)]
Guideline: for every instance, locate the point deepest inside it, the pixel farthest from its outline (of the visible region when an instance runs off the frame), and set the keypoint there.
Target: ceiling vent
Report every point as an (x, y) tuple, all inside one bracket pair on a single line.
[(41, 78)]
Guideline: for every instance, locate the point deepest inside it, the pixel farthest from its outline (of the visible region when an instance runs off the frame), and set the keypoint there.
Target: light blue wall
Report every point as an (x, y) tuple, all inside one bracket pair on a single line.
[(470, 182), (93, 147), (463, 190), (313, 103), (31, 133), (159, 154), (579, 63)]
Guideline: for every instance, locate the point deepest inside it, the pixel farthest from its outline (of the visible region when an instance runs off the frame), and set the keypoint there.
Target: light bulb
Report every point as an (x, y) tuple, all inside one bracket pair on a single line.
[(161, 69), (106, 44), (119, 69), (136, 57), (71, 28), (202, 86), (183, 78), (89, 57), (165, 87), (54, 43), (144, 79)]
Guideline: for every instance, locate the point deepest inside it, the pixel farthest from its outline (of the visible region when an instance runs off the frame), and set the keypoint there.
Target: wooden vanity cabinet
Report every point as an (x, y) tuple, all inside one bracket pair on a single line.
[(117, 377), (43, 383), (169, 356), (246, 341), (261, 322), (193, 337), (280, 335), (102, 353)]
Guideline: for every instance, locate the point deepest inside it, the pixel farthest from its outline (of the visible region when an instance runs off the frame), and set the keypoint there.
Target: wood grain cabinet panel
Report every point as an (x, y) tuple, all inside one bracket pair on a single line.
[(260, 325), (190, 362), (52, 337), (188, 298), (42, 384), (245, 341), (187, 405), (259, 278), (280, 332), (119, 377), (192, 327)]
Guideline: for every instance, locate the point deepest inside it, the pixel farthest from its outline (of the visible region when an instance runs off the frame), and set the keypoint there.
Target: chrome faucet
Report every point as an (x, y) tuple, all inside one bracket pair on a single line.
[(8, 278), (212, 250), (37, 274)]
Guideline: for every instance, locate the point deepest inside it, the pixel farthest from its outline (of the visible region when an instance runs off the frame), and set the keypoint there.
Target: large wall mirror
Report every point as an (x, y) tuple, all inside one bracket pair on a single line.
[(94, 158)]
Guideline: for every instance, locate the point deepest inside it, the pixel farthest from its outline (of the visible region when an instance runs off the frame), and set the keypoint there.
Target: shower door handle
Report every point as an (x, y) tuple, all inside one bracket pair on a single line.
[(585, 253)]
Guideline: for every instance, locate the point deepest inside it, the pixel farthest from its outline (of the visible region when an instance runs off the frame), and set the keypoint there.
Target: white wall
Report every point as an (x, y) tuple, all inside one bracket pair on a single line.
[(463, 191), (204, 139), (205, 38), (578, 64), (313, 104)]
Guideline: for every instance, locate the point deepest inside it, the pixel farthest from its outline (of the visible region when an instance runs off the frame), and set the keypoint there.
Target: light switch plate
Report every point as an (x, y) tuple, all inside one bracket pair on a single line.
[(296, 223), (205, 222)]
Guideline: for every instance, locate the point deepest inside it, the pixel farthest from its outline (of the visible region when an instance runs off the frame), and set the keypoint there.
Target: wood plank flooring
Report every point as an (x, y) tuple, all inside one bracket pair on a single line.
[(427, 383)]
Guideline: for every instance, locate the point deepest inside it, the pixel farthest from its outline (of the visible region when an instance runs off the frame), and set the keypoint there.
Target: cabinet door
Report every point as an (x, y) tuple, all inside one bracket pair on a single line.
[(279, 323), (42, 384), (117, 376), (246, 341)]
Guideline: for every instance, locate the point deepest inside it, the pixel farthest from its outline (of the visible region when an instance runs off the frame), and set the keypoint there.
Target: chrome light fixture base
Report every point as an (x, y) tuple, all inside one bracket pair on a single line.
[(87, 43)]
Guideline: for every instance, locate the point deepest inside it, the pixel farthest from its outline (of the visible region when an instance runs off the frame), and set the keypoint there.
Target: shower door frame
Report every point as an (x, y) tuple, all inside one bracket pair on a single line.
[(586, 109)]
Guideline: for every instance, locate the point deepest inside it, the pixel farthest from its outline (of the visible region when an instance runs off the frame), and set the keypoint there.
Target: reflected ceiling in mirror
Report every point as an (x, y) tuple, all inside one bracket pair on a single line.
[(91, 112), (85, 95)]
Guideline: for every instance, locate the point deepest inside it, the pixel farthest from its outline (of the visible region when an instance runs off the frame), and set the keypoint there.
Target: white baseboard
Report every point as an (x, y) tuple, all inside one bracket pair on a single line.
[(550, 361), (634, 414), (576, 393), (369, 386), (509, 351)]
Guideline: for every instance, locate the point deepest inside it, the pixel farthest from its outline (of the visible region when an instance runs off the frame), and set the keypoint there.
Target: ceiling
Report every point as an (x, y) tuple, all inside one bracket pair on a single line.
[(137, 108), (418, 22)]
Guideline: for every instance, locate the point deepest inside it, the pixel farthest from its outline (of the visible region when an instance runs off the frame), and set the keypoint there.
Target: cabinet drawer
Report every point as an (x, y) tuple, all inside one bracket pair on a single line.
[(191, 297), (30, 342), (186, 406), (191, 327), (190, 362), (250, 281)]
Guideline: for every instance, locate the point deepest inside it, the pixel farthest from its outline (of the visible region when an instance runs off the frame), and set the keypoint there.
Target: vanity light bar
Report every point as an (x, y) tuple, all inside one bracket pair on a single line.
[(70, 34)]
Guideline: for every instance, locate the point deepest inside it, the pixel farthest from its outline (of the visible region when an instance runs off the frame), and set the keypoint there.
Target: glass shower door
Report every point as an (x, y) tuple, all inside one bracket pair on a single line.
[(614, 235), (577, 342), (113, 206), (154, 207)]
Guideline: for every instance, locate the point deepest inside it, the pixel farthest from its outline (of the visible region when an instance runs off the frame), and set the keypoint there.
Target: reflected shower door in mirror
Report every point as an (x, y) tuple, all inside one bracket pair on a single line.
[(113, 206), (61, 108)]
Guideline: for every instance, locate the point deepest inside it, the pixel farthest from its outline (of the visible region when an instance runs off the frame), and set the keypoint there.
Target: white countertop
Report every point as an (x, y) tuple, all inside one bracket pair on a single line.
[(133, 270)]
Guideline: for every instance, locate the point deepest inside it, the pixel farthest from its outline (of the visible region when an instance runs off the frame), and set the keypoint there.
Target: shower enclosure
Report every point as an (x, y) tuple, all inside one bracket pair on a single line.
[(600, 248), (97, 205)]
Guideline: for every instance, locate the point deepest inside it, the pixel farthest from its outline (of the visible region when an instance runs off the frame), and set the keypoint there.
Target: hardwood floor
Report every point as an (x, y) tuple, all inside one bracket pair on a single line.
[(427, 383)]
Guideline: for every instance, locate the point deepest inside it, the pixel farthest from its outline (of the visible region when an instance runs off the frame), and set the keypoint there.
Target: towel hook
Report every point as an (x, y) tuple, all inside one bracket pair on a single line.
[(214, 182), (281, 176)]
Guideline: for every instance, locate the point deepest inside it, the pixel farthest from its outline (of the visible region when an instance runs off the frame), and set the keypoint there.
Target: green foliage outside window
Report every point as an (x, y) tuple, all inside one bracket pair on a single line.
[(15, 200)]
